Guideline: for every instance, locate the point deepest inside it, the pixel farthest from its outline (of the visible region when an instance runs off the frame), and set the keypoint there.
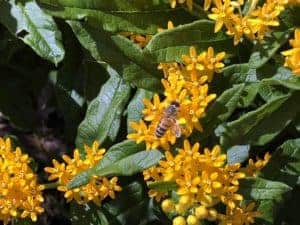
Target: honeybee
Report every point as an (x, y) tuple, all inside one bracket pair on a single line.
[(169, 121)]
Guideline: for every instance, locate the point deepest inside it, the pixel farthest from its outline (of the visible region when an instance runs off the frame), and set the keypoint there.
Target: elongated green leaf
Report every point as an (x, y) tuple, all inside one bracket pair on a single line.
[(220, 110), (263, 52), (284, 165), (269, 194), (126, 166), (292, 83), (170, 45), (261, 189), (257, 127), (103, 116), (37, 29), (163, 186), (124, 56), (136, 106), (119, 151), (118, 15)]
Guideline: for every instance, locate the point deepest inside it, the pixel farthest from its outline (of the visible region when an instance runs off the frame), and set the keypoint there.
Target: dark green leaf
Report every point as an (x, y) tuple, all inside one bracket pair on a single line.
[(284, 165), (117, 16), (257, 127), (261, 189), (37, 29), (264, 51)]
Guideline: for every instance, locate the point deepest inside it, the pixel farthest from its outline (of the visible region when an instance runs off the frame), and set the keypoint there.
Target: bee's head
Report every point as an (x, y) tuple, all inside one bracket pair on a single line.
[(175, 104)]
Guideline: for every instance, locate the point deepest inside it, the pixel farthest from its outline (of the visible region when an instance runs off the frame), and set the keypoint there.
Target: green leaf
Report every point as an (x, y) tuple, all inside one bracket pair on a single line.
[(257, 127), (262, 189), (269, 194), (121, 54), (238, 154), (118, 152), (104, 113), (117, 16), (264, 51), (220, 110), (136, 106), (37, 29), (170, 45), (163, 186), (284, 166), (126, 166)]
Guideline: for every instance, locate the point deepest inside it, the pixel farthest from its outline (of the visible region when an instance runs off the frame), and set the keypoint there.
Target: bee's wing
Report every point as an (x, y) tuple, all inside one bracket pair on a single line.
[(176, 129)]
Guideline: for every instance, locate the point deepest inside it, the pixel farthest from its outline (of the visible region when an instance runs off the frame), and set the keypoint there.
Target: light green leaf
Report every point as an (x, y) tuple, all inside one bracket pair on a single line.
[(170, 45), (37, 29), (126, 166), (104, 113)]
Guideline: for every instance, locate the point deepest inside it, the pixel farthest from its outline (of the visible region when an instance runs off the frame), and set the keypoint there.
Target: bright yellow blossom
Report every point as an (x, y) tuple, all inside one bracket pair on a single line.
[(254, 25), (292, 56), (96, 190), (204, 180), (253, 168), (185, 84), (21, 195)]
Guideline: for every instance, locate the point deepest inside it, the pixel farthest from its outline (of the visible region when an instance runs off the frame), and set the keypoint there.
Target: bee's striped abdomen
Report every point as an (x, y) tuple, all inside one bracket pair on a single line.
[(161, 129)]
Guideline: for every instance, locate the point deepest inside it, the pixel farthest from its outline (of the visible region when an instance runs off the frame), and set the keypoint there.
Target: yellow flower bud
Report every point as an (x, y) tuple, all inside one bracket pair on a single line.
[(179, 220), (180, 208), (212, 214), (192, 220), (184, 200), (201, 212), (167, 205)]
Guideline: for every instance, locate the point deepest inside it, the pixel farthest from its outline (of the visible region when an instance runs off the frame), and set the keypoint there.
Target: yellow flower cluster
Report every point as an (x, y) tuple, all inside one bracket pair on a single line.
[(20, 194), (96, 190), (185, 84), (204, 182), (292, 56), (294, 1), (189, 3), (254, 25)]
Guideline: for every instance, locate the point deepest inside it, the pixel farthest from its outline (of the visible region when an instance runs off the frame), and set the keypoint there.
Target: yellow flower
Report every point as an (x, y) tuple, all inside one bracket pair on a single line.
[(292, 56), (21, 195), (255, 24), (294, 1), (239, 216), (222, 14), (253, 168), (185, 87), (96, 190), (189, 3), (139, 39)]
